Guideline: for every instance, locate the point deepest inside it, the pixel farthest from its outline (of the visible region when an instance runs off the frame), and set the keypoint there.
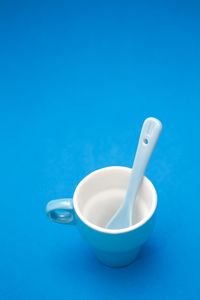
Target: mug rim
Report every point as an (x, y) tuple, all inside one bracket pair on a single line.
[(113, 231)]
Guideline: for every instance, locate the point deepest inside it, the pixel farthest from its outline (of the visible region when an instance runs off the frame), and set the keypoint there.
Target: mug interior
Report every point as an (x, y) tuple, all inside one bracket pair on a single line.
[(100, 194)]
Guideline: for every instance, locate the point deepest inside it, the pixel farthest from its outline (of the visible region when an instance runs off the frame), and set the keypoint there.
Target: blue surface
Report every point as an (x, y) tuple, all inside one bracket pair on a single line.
[(77, 80)]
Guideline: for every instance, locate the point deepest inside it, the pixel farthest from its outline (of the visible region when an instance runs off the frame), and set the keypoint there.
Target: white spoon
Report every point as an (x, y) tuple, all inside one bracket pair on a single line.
[(148, 137)]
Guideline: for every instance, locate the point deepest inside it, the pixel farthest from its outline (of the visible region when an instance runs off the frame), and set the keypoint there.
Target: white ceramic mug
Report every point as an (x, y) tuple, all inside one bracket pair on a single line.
[(95, 200)]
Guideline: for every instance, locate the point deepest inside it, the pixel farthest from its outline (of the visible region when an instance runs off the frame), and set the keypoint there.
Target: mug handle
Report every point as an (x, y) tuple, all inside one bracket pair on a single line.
[(61, 211)]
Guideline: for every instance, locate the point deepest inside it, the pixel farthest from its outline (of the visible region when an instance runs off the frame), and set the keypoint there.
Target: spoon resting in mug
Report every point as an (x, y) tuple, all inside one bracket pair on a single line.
[(148, 138)]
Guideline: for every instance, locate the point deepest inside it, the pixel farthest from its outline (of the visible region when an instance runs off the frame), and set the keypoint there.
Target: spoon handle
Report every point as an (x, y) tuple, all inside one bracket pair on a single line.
[(148, 138)]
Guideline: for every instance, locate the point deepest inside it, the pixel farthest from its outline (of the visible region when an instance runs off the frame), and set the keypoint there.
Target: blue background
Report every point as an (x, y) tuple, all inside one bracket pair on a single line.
[(77, 80)]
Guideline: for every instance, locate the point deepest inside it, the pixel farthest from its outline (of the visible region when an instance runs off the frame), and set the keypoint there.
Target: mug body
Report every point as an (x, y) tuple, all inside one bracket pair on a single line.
[(96, 198)]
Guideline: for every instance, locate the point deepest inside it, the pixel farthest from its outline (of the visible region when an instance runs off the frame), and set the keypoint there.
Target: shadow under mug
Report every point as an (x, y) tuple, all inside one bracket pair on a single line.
[(95, 200)]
